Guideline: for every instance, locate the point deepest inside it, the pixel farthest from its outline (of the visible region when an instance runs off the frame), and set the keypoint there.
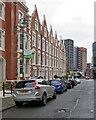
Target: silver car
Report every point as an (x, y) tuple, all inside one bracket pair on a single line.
[(33, 90)]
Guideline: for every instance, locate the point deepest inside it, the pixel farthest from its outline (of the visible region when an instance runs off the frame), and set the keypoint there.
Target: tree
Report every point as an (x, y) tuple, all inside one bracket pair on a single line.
[(55, 76)]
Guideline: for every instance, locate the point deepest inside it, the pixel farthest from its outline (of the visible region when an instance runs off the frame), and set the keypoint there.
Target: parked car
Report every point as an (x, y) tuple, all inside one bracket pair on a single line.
[(74, 82), (87, 77), (78, 80), (69, 83), (59, 84), (33, 90)]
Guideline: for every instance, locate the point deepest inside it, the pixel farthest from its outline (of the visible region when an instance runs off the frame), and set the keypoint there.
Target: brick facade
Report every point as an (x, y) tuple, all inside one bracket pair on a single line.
[(49, 52)]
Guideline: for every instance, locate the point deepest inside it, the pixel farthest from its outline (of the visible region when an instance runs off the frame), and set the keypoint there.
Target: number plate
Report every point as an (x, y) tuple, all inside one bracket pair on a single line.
[(24, 91)]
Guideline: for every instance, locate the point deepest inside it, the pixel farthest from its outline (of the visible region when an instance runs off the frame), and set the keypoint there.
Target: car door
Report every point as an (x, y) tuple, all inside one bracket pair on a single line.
[(51, 89), (63, 84)]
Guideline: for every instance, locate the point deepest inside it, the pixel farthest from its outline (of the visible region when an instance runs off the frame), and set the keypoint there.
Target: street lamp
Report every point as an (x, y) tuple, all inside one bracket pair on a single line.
[(24, 23)]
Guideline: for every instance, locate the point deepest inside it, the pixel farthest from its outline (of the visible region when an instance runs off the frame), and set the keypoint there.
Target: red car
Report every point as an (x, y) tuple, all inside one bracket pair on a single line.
[(87, 77)]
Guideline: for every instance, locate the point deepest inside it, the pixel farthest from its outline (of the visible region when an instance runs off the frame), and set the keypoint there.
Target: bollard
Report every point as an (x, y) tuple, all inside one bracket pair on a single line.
[(11, 89), (3, 89), (13, 84)]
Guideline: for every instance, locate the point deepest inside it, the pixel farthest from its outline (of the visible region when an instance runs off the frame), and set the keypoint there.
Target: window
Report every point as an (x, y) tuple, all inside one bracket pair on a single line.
[(56, 42), (27, 42), (47, 60), (50, 49), (21, 42), (2, 39), (43, 74), (53, 50), (27, 66), (21, 66), (57, 52), (50, 61), (39, 58), (50, 74), (51, 39), (43, 59), (25, 84), (53, 62), (46, 46), (57, 63), (33, 60), (36, 24), (33, 39), (39, 42), (2, 10), (20, 18), (45, 32), (34, 73), (43, 45)]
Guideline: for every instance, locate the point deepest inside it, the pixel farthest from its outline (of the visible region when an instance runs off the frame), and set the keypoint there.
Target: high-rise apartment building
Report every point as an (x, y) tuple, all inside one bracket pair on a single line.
[(94, 60), (75, 58), (89, 71), (69, 46), (82, 59)]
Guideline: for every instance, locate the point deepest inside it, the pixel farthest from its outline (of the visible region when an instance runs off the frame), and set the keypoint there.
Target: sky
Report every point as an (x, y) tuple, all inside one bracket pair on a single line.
[(71, 19)]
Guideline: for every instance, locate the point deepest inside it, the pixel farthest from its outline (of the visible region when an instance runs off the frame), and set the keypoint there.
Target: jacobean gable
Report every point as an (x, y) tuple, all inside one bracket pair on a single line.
[(45, 29), (35, 16), (51, 35)]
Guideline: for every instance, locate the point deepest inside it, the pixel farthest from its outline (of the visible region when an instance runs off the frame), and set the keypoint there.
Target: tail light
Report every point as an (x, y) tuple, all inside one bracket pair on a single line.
[(36, 87), (68, 82), (14, 87), (58, 84)]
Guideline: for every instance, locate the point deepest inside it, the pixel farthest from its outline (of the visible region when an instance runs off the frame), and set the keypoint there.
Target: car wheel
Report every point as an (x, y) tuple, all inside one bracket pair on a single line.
[(61, 90), (55, 95), (66, 89), (44, 100), (71, 86), (19, 104)]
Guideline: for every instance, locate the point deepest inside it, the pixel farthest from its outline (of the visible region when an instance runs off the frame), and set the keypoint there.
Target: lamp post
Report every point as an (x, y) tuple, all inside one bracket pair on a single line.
[(24, 23)]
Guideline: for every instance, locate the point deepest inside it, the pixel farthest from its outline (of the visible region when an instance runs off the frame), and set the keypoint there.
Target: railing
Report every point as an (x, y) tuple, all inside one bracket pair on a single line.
[(7, 87)]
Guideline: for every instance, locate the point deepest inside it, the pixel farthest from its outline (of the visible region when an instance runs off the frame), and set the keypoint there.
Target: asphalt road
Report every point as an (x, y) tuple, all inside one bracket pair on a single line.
[(77, 102)]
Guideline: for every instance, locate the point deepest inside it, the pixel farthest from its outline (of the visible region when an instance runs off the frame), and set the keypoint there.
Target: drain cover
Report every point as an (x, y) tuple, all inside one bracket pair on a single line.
[(61, 110)]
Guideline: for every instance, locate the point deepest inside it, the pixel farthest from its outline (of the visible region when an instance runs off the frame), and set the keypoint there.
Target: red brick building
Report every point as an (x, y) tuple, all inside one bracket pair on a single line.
[(49, 52), (2, 41), (14, 12), (36, 44)]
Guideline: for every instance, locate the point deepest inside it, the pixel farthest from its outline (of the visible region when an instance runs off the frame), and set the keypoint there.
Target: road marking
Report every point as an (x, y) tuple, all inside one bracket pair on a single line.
[(77, 101)]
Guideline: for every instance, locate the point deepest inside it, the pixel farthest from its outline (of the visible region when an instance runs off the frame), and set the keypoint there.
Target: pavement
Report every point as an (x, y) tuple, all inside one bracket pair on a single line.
[(7, 101)]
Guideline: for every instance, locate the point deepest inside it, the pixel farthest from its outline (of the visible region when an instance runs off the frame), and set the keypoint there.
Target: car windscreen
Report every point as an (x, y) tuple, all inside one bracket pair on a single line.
[(54, 81), (25, 84)]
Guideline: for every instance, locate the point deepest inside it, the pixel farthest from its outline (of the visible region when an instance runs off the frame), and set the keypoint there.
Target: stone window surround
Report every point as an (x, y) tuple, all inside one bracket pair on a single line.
[(2, 48), (4, 11)]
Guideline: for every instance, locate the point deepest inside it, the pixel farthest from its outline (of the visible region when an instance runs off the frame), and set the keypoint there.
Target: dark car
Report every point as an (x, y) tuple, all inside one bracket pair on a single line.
[(69, 84), (74, 82), (59, 84)]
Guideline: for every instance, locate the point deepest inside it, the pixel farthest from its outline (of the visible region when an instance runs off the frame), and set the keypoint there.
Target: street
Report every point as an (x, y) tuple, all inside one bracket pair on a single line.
[(77, 102)]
